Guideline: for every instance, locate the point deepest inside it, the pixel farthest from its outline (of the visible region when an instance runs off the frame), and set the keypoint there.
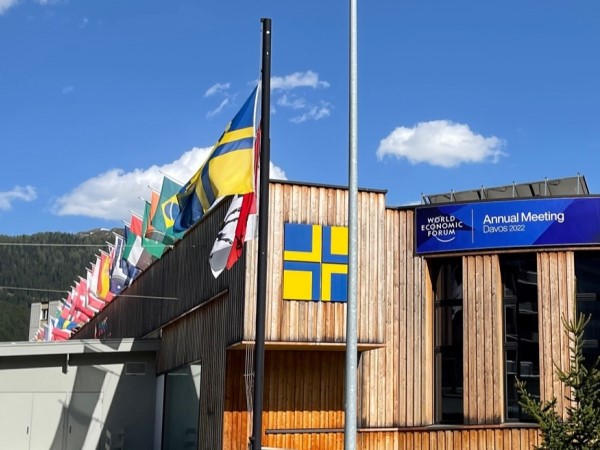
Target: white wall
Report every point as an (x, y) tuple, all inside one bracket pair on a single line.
[(47, 403)]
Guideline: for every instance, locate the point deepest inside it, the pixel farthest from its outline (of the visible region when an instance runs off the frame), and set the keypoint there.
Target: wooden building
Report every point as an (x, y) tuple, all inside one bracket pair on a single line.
[(448, 315)]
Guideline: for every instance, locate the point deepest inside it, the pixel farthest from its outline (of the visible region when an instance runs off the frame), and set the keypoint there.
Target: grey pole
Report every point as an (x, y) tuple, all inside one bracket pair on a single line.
[(351, 314)]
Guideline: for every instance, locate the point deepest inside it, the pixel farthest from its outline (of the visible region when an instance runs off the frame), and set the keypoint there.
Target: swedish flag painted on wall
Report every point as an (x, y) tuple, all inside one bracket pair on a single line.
[(315, 263), (228, 169)]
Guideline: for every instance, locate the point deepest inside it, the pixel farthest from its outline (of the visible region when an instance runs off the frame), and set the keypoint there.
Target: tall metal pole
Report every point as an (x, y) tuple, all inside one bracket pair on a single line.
[(263, 235), (351, 316)]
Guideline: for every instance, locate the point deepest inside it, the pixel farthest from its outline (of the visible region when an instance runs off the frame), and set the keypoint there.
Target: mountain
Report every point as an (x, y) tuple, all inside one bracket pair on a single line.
[(33, 266)]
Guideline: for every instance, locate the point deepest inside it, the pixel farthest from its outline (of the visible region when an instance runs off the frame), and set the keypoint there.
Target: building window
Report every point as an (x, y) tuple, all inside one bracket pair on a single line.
[(446, 277), (181, 408), (521, 343), (587, 274)]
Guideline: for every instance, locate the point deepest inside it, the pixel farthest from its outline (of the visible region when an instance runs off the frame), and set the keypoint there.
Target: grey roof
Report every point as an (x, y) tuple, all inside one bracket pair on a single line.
[(560, 187)]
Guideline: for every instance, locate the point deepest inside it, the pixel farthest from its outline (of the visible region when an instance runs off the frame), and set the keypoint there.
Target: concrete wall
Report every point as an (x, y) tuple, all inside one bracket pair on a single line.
[(63, 400)]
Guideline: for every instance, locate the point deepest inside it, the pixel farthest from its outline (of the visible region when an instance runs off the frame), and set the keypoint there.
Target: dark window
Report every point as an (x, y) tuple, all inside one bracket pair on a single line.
[(521, 339), (181, 408), (587, 273), (446, 276)]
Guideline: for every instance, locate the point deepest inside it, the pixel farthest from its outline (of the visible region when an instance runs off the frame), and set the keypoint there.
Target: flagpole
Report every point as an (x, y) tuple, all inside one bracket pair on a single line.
[(263, 235), (351, 312)]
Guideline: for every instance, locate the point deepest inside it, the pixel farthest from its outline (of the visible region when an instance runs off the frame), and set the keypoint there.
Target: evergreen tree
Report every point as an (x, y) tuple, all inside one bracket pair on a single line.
[(39, 268), (580, 430)]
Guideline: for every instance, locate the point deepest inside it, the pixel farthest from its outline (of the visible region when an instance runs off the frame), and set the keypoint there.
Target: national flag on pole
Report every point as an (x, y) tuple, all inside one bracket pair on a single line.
[(60, 335), (167, 211), (93, 276), (228, 170), (65, 306), (93, 302), (134, 250), (152, 246), (103, 287), (119, 269), (75, 315), (238, 227), (151, 231), (80, 299)]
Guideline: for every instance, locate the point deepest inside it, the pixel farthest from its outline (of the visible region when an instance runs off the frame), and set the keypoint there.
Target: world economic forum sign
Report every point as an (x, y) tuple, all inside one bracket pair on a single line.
[(507, 224)]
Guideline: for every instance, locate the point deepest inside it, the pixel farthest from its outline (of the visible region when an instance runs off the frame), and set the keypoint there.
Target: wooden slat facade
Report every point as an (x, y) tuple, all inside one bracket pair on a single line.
[(395, 383), (556, 291), (306, 321), (483, 366), (213, 320), (199, 336)]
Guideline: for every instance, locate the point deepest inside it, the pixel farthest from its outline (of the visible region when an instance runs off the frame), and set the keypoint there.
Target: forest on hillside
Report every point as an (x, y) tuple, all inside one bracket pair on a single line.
[(33, 266)]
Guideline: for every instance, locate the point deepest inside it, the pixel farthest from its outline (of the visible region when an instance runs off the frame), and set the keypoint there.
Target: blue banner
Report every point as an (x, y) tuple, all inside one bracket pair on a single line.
[(485, 225)]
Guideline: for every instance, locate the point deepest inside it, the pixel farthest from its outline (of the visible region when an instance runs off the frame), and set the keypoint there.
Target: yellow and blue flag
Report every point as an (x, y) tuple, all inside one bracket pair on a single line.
[(228, 170)]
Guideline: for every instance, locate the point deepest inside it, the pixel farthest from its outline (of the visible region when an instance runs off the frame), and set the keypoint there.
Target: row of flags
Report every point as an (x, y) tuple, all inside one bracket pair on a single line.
[(230, 170)]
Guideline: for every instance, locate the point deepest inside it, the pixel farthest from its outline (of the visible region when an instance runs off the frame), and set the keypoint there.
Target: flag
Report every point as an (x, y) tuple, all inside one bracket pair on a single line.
[(239, 219), (39, 336), (167, 211), (92, 301), (134, 250), (60, 335), (228, 170), (151, 231), (119, 268), (152, 246), (64, 309), (224, 241), (80, 300), (93, 276), (103, 286), (65, 324)]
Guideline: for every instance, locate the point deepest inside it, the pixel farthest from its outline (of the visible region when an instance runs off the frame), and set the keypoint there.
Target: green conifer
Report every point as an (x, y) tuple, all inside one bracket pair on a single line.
[(580, 429)]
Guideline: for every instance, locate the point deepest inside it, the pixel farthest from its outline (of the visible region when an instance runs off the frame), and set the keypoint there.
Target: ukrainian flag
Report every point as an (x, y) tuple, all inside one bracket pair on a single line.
[(228, 170)]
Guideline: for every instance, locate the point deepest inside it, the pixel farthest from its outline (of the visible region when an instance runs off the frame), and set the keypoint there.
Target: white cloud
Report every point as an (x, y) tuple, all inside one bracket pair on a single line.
[(288, 98), (276, 173), (5, 5), (291, 102), (114, 194), (216, 88), (22, 193), (298, 79), (314, 113), (218, 109), (67, 89), (441, 143)]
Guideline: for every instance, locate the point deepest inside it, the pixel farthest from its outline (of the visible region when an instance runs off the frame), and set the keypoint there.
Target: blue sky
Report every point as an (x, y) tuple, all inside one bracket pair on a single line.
[(99, 98)]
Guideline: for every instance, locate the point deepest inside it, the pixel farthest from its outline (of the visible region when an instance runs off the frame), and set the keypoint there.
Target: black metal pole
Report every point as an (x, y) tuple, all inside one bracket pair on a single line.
[(263, 237)]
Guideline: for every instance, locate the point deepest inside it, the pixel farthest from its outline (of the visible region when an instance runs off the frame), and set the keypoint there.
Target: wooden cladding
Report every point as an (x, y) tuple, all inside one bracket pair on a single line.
[(303, 405), (465, 439), (309, 321), (303, 389), (483, 363), (199, 336), (556, 291), (396, 382)]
